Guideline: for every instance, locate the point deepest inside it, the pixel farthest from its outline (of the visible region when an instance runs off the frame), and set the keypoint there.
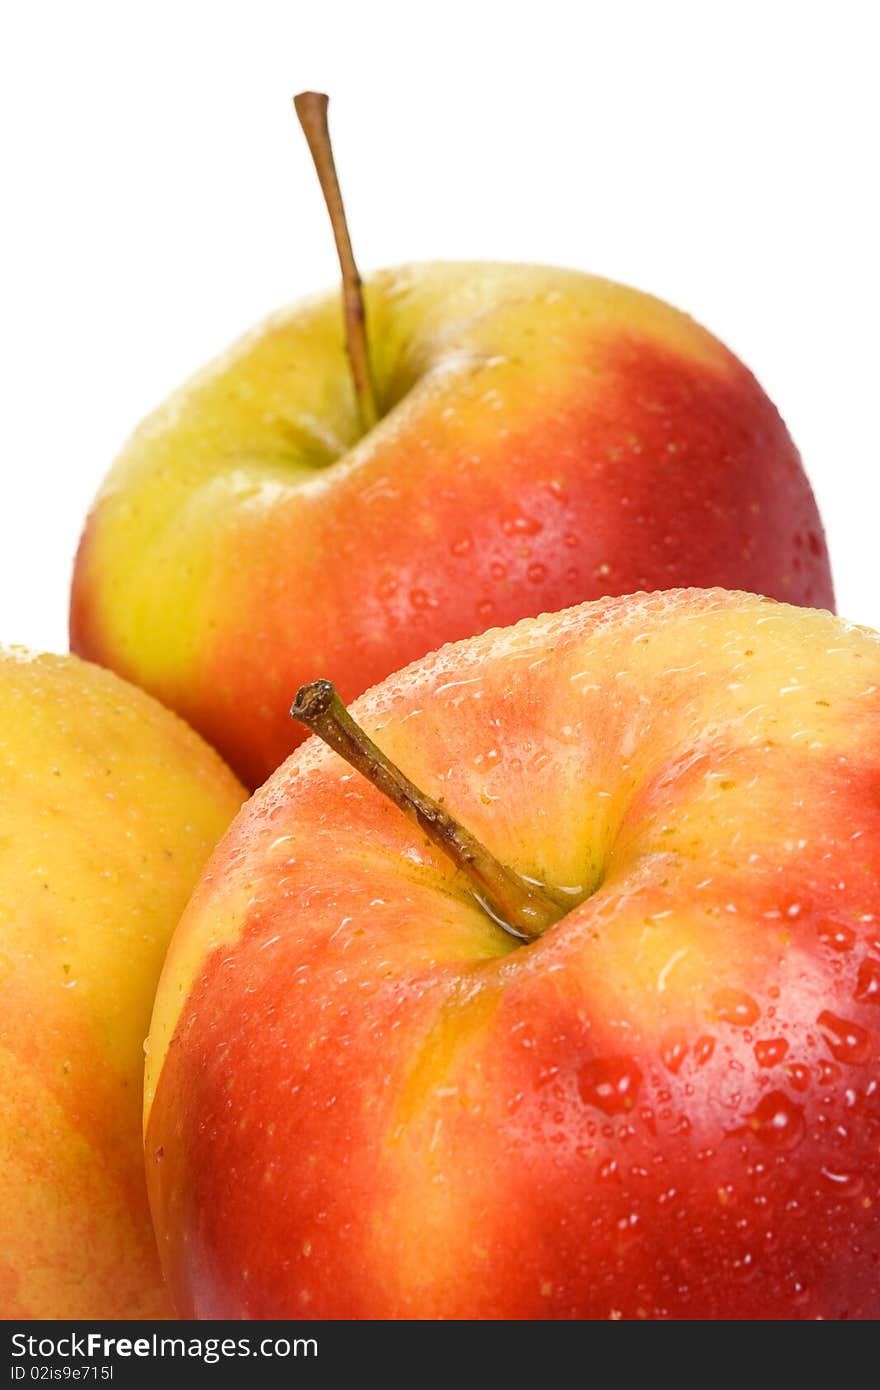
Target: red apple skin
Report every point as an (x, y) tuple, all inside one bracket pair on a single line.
[(555, 438), (365, 1100)]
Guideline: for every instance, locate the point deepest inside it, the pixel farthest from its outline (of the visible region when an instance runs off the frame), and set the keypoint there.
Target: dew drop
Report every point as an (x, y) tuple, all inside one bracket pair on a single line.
[(778, 1121), (485, 609), (868, 982), (838, 937), (497, 570), (462, 545), (673, 1050), (734, 1007), (703, 1049), (515, 522), (536, 572), (421, 599), (570, 539), (844, 1184), (798, 1075), (769, 1052), (386, 587), (611, 1084), (847, 1041)]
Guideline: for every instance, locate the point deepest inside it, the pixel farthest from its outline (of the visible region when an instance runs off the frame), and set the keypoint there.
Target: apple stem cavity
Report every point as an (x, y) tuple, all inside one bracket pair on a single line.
[(311, 108), (522, 908)]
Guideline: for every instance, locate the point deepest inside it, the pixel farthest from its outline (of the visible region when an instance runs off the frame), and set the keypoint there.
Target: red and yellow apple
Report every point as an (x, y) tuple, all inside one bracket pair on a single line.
[(109, 808), (367, 1099), (544, 437)]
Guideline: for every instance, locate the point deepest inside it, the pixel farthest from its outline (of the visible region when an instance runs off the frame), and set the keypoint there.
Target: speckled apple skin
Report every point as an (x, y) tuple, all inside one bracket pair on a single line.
[(109, 807), (547, 437), (365, 1100)]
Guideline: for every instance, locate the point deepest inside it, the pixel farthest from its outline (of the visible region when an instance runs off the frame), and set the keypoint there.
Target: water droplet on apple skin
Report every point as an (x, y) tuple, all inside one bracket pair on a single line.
[(673, 1050), (610, 1084), (421, 599), (798, 1076), (769, 1052), (842, 1183), (516, 522), (867, 990), (778, 1121), (847, 1041), (485, 609), (837, 936), (735, 1007), (386, 587)]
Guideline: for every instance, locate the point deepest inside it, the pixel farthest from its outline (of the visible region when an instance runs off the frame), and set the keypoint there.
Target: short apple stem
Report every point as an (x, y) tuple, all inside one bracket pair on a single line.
[(311, 108), (522, 908)]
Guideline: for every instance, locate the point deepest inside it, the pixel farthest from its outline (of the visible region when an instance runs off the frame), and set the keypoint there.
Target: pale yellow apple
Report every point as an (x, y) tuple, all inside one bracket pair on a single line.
[(109, 806)]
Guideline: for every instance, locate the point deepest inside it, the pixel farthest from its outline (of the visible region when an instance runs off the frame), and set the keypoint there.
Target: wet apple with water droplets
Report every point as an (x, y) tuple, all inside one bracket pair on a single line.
[(504, 440), (373, 1101)]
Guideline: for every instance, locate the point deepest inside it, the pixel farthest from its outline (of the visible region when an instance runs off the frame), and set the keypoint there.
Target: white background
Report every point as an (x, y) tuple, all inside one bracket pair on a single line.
[(159, 198)]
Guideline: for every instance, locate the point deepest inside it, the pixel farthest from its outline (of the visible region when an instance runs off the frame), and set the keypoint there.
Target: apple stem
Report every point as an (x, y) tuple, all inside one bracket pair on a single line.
[(311, 108), (522, 908)]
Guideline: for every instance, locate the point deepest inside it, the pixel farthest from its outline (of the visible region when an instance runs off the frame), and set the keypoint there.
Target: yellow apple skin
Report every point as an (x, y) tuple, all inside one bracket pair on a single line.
[(365, 1099), (109, 806), (546, 437)]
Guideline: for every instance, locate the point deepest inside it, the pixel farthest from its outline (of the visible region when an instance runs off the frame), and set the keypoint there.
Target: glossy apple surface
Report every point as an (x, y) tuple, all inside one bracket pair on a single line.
[(546, 437), (365, 1099), (109, 807)]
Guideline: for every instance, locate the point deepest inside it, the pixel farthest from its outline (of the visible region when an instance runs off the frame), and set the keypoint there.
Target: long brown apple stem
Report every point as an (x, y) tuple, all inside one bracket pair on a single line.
[(522, 908), (311, 108)]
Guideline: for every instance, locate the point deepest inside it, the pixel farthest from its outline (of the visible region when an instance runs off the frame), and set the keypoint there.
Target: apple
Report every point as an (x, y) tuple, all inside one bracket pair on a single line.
[(598, 1039), (109, 808), (510, 440)]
